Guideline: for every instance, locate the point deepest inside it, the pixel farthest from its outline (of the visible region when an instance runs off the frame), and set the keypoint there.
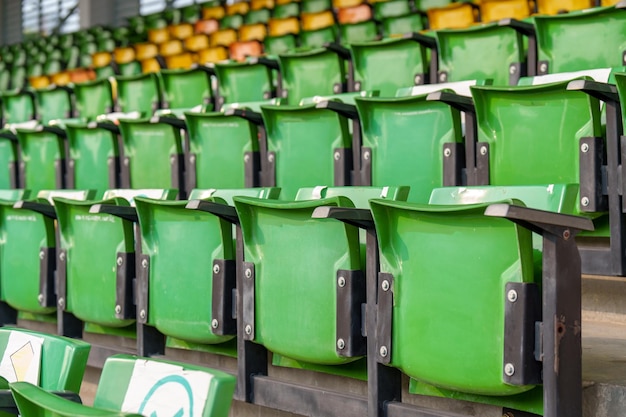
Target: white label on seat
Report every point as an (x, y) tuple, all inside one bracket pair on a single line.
[(22, 358), (165, 390)]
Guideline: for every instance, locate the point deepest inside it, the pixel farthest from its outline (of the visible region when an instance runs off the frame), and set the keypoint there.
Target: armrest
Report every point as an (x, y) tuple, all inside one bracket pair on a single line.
[(60, 404), (343, 53), (208, 70), (524, 28), (172, 121), (601, 91), (55, 130), (123, 212), (346, 110), (45, 209), (249, 115), (270, 63), (361, 218), (462, 103), (540, 221), (427, 41), (106, 126), (223, 211), (7, 134)]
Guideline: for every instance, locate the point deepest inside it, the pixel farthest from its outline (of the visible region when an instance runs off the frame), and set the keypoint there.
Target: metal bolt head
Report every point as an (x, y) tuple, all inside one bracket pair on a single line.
[(357, 86), (126, 161), (512, 69), (216, 269), (443, 77), (383, 351), (62, 256), (509, 369), (336, 89), (41, 254), (337, 156), (543, 67), (192, 159), (118, 309), (566, 234), (120, 261), (341, 344), (246, 158), (385, 285), (270, 157), (447, 152), (144, 263), (61, 302), (248, 273), (40, 298), (584, 147), (109, 162), (584, 201), (417, 80), (512, 296), (341, 281), (366, 155), (248, 329), (142, 314), (172, 158), (215, 323), (483, 150)]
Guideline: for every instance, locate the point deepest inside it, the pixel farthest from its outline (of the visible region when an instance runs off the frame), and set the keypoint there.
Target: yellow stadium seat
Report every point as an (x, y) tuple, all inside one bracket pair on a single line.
[(39, 82), (145, 51), (61, 78), (170, 48), (158, 35), (150, 65), (559, 6), (101, 59), (223, 37), (212, 55), (280, 27), (215, 12), (238, 51), (454, 16), (494, 10), (197, 42), (180, 61), (261, 4), (355, 14), (340, 4), (256, 32), (181, 31), (241, 8), (281, 2), (124, 55), (605, 3), (314, 21)]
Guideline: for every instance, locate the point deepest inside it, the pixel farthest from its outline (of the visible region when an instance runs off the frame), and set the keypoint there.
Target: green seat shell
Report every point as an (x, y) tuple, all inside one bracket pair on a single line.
[(243, 82), (139, 93), (185, 89), (93, 98)]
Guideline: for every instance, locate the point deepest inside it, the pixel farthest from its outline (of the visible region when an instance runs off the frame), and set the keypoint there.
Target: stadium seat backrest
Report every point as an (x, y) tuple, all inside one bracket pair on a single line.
[(93, 98), (140, 93), (243, 82), (184, 89)]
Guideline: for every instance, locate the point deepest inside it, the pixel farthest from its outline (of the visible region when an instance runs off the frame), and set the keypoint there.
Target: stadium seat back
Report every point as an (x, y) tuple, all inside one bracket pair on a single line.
[(184, 89), (93, 98), (140, 93), (243, 82)]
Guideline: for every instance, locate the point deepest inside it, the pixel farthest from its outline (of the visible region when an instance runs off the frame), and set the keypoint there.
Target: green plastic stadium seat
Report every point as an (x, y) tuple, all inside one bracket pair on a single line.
[(580, 40), (54, 103), (306, 74), (244, 82), (18, 106), (326, 279), (185, 89), (312, 39), (400, 25), (8, 160), (28, 256), (257, 16), (93, 99), (315, 6), (291, 9), (131, 386), (306, 146), (99, 259), (388, 65), (182, 308), (141, 93), (391, 8), (43, 158)]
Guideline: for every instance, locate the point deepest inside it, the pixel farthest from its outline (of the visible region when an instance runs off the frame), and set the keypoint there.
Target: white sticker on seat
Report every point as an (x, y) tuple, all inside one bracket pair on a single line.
[(21, 360)]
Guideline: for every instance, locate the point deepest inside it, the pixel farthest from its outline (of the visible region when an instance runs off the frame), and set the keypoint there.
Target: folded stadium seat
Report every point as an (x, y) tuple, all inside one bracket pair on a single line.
[(240, 8), (86, 50), (315, 6), (453, 16), (181, 31), (257, 16), (5, 79), (138, 93), (54, 102), (137, 24), (283, 34), (71, 57), (389, 144), (212, 55), (290, 9), (292, 161), (397, 25), (223, 37), (183, 61), (93, 99), (18, 77), (580, 40), (190, 14), (609, 2), (98, 266), (316, 72), (190, 389), (125, 60), (58, 363), (9, 160), (158, 36), (356, 24), (252, 32), (233, 21), (390, 8), (106, 44), (492, 51), (262, 5), (495, 10), (18, 106), (156, 20), (102, 63), (62, 78), (173, 16), (191, 311), (418, 315), (28, 256), (196, 43), (240, 51), (330, 287), (553, 7), (206, 26), (186, 89), (213, 12), (171, 48), (318, 29)]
